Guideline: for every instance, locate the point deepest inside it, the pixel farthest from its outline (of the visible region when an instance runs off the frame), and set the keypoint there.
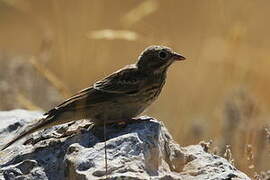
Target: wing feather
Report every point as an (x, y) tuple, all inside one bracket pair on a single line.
[(126, 81)]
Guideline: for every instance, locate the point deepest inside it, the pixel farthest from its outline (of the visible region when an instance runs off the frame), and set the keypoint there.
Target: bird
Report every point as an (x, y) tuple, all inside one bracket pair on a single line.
[(119, 97)]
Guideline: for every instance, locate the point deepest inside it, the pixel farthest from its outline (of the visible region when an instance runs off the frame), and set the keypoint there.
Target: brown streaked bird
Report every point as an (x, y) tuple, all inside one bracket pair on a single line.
[(118, 97)]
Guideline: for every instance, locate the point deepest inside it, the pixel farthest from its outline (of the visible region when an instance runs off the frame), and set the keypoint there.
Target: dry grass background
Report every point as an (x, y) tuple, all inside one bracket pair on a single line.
[(220, 94)]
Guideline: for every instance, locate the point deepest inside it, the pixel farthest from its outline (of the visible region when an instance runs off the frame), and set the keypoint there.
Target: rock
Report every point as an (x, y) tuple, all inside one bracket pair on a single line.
[(140, 150)]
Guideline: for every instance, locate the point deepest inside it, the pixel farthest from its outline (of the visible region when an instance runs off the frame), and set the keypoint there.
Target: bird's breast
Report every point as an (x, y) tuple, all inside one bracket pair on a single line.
[(151, 91)]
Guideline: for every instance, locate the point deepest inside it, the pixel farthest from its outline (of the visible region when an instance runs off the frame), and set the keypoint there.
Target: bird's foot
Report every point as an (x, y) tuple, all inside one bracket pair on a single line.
[(124, 123), (116, 126), (120, 123)]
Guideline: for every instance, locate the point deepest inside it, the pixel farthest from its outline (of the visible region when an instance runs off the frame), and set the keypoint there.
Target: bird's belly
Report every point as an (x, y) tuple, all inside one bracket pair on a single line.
[(117, 111), (125, 107)]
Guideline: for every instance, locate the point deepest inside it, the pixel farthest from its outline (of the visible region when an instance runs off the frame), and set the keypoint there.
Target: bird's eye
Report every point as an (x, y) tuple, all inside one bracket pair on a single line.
[(163, 54)]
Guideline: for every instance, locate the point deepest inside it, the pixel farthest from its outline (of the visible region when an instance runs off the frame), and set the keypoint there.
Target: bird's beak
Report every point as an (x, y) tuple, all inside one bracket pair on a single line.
[(178, 57)]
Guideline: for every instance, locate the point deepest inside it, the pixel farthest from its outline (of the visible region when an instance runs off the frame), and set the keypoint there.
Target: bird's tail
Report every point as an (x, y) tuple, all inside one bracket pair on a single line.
[(40, 124)]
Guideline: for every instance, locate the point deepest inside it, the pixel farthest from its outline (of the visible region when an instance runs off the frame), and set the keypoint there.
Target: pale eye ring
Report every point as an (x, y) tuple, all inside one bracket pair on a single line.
[(163, 54)]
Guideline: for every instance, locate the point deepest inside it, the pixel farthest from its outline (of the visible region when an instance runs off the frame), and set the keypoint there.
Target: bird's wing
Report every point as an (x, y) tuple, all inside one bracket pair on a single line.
[(78, 101), (122, 82), (125, 81)]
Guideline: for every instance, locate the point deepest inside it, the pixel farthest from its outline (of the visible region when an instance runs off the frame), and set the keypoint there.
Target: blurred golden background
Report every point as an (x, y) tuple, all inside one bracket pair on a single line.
[(51, 49)]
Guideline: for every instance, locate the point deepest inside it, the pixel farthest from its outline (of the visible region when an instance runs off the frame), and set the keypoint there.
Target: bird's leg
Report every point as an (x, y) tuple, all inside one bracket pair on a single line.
[(133, 120), (102, 128)]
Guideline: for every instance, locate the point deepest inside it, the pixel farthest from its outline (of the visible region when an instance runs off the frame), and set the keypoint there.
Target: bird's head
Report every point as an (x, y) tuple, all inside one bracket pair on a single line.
[(157, 58)]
